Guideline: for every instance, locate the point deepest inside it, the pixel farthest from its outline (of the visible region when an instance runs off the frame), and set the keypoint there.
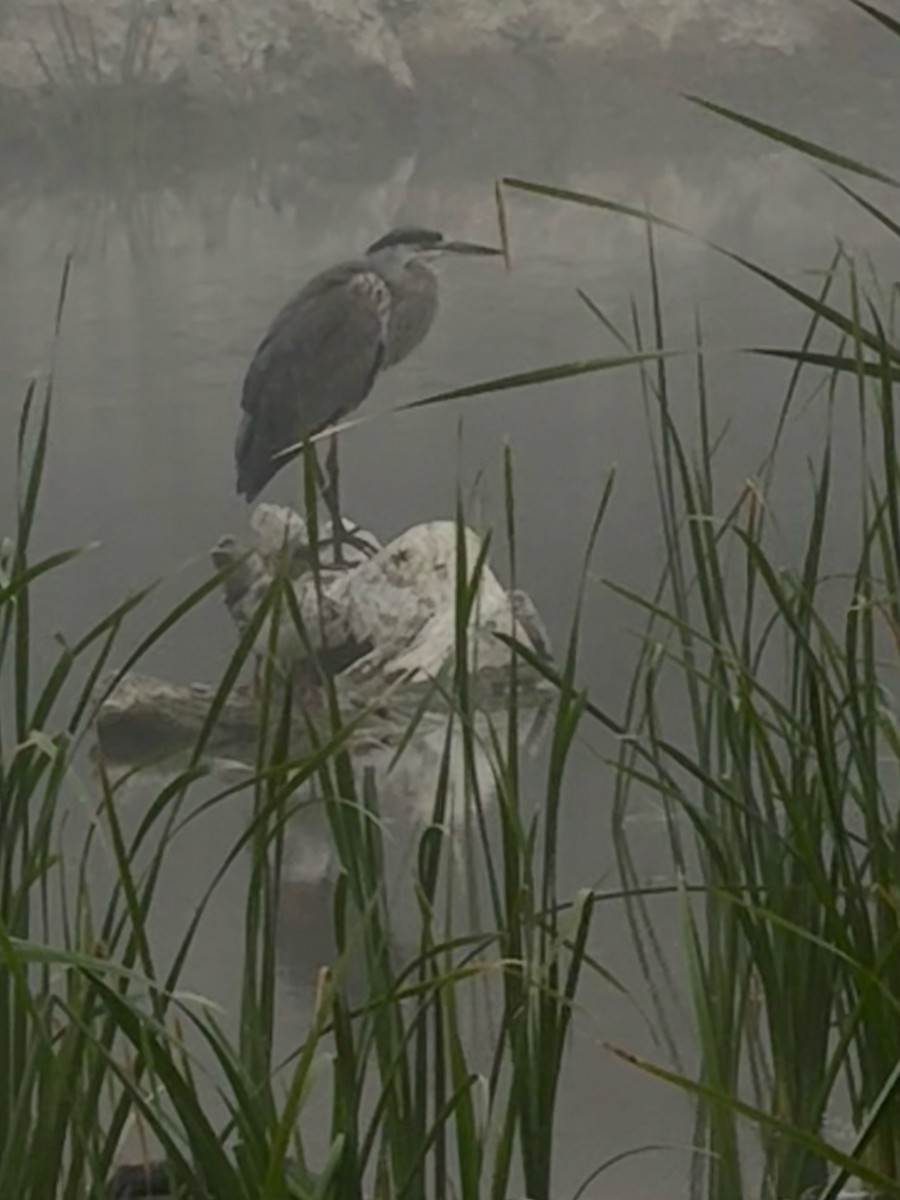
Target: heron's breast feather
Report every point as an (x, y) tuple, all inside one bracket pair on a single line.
[(375, 292)]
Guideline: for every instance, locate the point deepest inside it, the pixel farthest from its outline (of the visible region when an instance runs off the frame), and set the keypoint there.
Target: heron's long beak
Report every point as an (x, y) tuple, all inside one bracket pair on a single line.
[(468, 248)]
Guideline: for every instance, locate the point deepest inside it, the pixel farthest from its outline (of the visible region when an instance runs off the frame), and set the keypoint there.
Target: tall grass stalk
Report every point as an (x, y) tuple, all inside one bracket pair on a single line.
[(96, 1036), (781, 799)]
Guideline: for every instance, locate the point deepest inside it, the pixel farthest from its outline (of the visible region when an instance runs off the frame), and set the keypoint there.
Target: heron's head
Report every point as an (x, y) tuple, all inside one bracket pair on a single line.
[(408, 243)]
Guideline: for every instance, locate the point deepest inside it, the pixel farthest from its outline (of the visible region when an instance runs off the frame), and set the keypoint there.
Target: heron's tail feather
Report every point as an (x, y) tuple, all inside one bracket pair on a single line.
[(254, 462), (246, 489)]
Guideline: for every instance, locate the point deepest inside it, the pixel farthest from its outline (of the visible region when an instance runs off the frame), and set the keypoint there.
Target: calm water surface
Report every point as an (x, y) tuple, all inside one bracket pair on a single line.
[(175, 280)]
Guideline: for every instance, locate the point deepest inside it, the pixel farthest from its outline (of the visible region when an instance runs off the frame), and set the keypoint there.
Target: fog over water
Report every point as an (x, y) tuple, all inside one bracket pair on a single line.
[(183, 255)]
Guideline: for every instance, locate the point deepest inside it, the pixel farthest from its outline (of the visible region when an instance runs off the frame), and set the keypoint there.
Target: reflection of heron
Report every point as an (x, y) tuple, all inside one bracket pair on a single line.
[(407, 770), (326, 347)]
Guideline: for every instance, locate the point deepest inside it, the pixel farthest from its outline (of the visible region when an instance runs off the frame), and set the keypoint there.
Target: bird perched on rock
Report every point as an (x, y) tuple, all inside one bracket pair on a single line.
[(327, 346)]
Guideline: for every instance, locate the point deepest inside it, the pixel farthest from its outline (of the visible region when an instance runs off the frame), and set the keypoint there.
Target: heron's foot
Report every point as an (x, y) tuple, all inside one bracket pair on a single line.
[(361, 543), (343, 551)]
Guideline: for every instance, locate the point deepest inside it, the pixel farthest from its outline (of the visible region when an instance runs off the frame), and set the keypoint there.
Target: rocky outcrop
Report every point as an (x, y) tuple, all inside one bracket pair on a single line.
[(389, 614), (246, 48), (383, 626)]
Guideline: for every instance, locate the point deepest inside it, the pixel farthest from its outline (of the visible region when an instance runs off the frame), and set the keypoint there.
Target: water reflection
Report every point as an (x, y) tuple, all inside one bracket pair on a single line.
[(406, 775), (407, 780)]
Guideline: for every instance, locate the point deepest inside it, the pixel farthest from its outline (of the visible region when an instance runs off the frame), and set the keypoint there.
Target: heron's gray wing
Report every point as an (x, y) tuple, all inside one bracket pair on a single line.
[(316, 364)]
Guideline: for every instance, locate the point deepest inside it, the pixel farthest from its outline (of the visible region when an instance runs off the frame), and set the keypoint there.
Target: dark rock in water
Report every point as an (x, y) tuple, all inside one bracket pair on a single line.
[(251, 47), (139, 1179)]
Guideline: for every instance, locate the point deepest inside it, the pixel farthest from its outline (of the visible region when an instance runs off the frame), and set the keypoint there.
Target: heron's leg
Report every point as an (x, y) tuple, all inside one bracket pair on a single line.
[(321, 481), (333, 502)]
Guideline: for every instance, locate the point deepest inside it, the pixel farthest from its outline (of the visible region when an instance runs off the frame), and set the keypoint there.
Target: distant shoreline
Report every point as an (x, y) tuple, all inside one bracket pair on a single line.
[(496, 97)]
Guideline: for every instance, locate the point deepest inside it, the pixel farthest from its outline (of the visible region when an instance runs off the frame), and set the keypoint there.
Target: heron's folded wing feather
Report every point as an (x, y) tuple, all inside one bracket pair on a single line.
[(320, 357)]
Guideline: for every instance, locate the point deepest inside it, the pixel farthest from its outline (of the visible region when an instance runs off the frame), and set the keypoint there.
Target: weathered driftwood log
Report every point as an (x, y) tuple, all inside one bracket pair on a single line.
[(392, 614), (384, 627), (145, 717)]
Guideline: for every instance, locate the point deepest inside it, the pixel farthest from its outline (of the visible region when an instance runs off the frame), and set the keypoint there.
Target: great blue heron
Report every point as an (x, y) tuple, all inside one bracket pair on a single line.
[(327, 346)]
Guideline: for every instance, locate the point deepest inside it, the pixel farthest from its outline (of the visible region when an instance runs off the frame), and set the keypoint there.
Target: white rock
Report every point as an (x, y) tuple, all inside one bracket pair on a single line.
[(404, 601), (280, 530), (393, 615)]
